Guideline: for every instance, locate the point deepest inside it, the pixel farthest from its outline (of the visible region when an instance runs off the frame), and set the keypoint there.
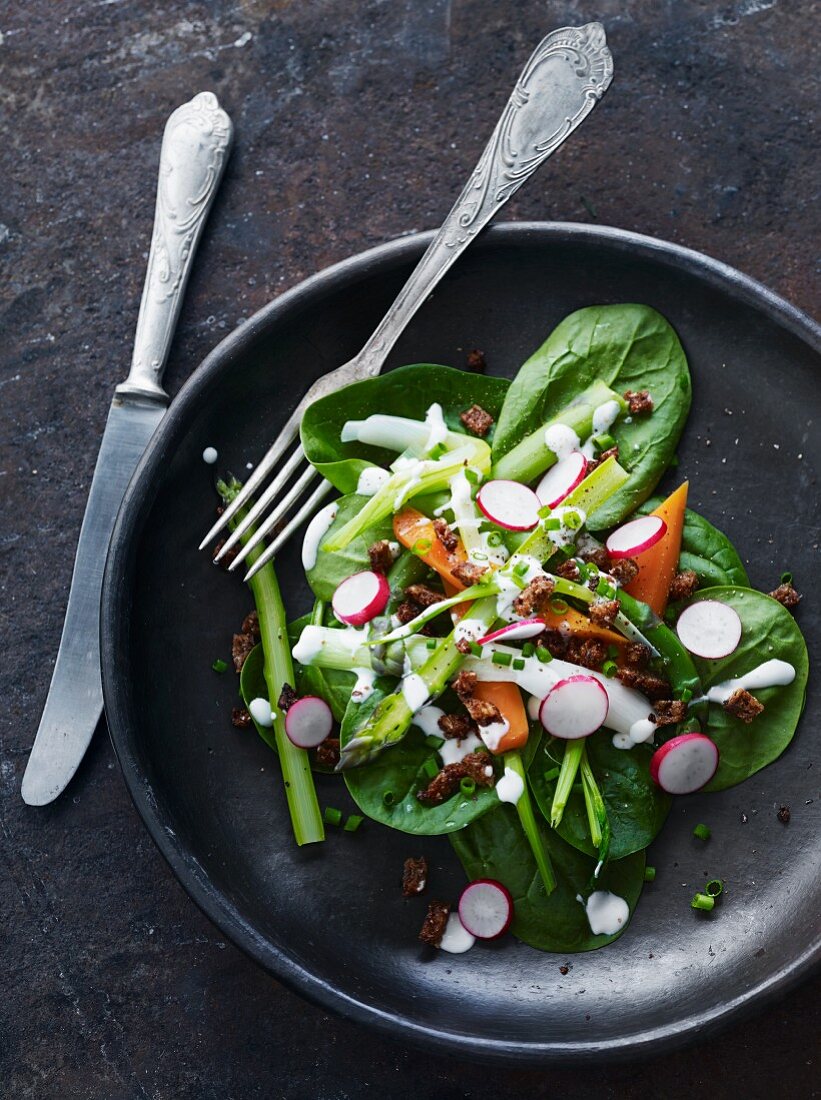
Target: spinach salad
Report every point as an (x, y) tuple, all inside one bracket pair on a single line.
[(512, 643)]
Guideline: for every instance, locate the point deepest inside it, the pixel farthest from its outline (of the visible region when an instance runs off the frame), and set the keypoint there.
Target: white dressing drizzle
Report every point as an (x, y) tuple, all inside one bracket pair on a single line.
[(427, 719), (510, 787), (437, 428), (606, 913), (452, 751), (371, 481), (604, 416), (493, 733), (315, 532), (641, 731), (363, 688), (456, 938), (561, 440), (769, 674), (468, 630), (414, 691), (261, 712), (210, 455)]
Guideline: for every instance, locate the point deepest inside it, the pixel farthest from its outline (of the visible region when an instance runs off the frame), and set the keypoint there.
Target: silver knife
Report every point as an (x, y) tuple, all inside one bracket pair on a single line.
[(192, 161)]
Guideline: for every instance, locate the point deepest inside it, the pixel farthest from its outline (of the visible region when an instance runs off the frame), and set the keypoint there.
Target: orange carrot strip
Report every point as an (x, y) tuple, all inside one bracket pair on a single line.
[(658, 564), (507, 697)]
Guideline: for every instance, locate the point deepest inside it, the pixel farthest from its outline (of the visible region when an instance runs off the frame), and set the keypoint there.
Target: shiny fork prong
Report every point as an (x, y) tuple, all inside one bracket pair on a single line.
[(272, 456), (304, 512), (269, 523), (260, 506)]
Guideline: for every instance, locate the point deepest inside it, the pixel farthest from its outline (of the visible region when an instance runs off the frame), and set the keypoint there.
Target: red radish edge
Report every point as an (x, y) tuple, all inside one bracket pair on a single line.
[(486, 908), (684, 764), (561, 479), (509, 504), (361, 597), (569, 718), (308, 722), (514, 632), (635, 537), (709, 628)]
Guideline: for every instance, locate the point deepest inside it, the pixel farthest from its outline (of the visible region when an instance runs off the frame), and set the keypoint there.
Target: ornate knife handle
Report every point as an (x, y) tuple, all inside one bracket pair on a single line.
[(569, 71), (192, 160)]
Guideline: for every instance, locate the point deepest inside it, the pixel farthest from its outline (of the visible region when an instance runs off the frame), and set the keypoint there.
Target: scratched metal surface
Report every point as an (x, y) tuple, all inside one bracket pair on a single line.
[(355, 123)]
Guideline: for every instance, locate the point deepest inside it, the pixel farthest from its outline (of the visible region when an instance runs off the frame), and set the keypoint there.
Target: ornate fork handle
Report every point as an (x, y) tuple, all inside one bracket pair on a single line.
[(568, 72), (195, 144)]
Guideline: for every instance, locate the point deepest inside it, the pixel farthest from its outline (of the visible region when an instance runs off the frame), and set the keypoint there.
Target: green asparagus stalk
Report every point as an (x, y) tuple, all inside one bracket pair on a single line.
[(567, 777), (527, 817), (531, 457), (294, 762)]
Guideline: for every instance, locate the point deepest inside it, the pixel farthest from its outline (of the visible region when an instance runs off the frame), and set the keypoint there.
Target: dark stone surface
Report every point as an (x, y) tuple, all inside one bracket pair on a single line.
[(355, 123)]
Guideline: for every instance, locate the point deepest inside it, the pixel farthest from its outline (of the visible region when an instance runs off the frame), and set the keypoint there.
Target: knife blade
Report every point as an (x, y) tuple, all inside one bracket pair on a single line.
[(195, 145)]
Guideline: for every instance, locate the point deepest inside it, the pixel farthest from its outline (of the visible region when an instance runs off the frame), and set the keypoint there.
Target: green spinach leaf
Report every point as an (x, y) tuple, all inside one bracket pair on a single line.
[(706, 550), (768, 631), (406, 391), (494, 847), (628, 347), (636, 807), (331, 684), (332, 568)]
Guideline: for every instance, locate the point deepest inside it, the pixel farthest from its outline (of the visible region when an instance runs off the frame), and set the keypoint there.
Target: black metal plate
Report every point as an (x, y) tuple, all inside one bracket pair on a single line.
[(329, 920)]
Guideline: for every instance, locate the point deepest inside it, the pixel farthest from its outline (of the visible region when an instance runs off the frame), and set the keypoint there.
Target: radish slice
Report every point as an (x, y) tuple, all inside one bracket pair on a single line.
[(709, 629), (575, 707), (684, 764), (509, 504), (514, 632), (562, 479), (634, 537), (360, 598), (308, 721), (486, 909)]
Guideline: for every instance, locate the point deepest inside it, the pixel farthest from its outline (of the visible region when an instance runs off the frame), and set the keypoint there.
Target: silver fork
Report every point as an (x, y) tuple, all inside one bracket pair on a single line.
[(560, 85)]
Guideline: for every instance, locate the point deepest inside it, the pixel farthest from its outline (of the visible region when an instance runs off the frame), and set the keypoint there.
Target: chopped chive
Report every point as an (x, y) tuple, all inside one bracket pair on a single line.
[(518, 664), (332, 815), (685, 695), (573, 520), (603, 588), (477, 555), (610, 668), (467, 785), (437, 451), (520, 568), (389, 798), (552, 524), (421, 546), (434, 742), (604, 442), (544, 655), (353, 823), (612, 652), (476, 649), (219, 665), (528, 649), (430, 768), (592, 569), (551, 775), (702, 832), (649, 874), (431, 643), (502, 659), (494, 539), (714, 888), (559, 606), (472, 476), (544, 511), (786, 578), (703, 901)]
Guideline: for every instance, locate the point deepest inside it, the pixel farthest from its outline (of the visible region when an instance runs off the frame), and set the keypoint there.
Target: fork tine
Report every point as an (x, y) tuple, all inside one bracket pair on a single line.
[(259, 506), (321, 490), (272, 456), (270, 521)]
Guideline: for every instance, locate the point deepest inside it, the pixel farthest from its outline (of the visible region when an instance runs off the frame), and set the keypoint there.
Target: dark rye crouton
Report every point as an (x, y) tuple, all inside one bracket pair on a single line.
[(604, 612), (569, 570), (535, 599), (476, 420), (287, 698), (743, 706), (423, 596), (476, 362), (475, 766), (455, 727), (786, 595), (241, 718), (250, 624), (669, 712), (589, 652), (327, 753), (414, 876), (611, 452), (624, 570), (241, 646), (636, 655), (435, 923), (465, 684), (639, 402), (381, 556), (467, 573), (407, 611), (443, 532), (482, 712), (654, 687), (598, 557), (683, 585)]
